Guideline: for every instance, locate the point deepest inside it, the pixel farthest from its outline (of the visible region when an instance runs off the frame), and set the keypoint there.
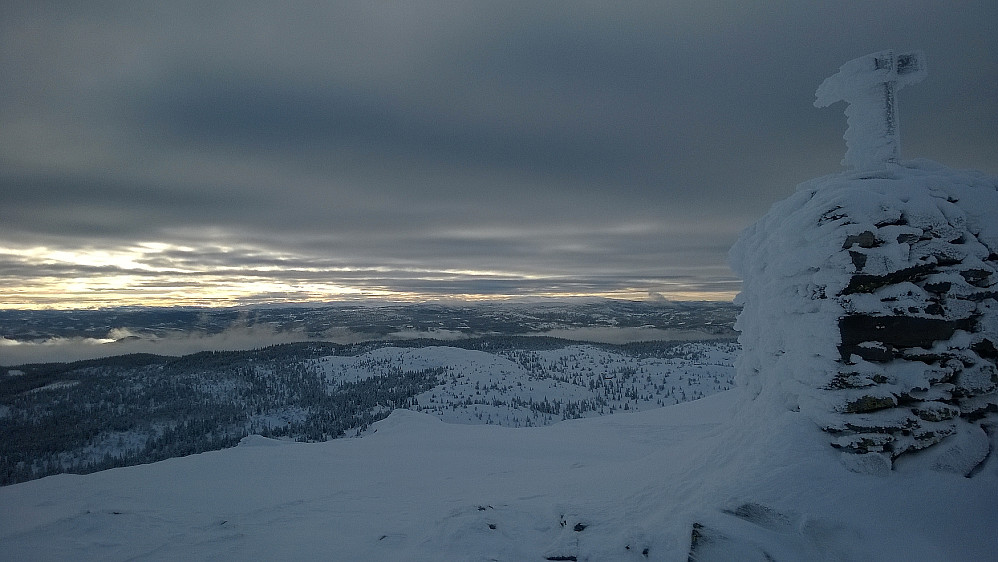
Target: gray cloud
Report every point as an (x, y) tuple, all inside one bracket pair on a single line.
[(612, 145)]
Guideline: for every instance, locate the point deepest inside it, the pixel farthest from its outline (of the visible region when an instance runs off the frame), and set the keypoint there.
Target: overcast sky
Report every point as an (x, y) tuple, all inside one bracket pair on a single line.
[(239, 152)]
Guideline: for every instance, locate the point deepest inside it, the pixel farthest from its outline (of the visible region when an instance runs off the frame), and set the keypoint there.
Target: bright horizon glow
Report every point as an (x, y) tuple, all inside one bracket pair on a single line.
[(159, 274), (82, 297)]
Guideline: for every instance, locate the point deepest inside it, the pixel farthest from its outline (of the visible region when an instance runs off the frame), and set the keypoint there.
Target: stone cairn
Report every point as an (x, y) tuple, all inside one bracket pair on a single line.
[(871, 304), (918, 332)]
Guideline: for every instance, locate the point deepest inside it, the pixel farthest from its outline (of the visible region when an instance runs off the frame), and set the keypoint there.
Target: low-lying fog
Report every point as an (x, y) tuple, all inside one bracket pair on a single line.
[(120, 341)]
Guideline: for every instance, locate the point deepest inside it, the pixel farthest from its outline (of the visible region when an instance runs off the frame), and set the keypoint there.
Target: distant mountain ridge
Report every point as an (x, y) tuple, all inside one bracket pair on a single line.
[(369, 321)]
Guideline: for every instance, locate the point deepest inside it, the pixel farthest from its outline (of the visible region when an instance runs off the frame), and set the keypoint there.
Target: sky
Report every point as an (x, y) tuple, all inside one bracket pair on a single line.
[(225, 153)]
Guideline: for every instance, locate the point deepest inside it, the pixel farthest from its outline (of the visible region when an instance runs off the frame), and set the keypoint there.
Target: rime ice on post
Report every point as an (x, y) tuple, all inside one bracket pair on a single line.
[(869, 85)]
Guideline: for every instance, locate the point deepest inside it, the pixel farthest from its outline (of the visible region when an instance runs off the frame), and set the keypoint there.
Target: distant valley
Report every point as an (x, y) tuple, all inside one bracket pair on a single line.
[(120, 410)]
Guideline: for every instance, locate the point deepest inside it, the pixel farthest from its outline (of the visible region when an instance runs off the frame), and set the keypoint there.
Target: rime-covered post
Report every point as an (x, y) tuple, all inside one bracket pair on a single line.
[(869, 85)]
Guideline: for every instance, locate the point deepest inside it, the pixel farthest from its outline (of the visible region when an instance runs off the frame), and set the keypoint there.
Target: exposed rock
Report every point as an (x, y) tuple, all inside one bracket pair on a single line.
[(895, 332), (871, 302), (870, 283), (935, 411), (865, 239), (870, 404), (986, 349)]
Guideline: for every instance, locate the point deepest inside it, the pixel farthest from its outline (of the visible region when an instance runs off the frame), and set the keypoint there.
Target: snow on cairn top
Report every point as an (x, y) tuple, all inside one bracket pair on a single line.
[(869, 85)]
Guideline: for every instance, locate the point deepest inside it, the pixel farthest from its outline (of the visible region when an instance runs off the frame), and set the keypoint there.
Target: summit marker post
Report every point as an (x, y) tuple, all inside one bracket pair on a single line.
[(869, 84)]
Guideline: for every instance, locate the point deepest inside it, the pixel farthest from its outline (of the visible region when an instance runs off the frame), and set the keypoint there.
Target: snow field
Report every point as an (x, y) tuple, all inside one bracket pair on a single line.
[(623, 487)]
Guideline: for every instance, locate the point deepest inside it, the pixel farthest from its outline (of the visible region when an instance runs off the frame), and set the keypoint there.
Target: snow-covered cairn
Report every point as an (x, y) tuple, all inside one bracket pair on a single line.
[(870, 298)]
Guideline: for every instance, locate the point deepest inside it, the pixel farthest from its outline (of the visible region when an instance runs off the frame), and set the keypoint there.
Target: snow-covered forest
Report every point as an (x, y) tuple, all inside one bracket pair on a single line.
[(98, 414)]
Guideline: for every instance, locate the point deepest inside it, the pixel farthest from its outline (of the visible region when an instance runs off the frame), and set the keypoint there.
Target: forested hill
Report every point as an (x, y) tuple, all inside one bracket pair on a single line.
[(91, 415)]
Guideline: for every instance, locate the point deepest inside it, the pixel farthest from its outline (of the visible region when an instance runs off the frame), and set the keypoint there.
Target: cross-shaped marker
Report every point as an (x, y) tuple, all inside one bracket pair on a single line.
[(869, 85)]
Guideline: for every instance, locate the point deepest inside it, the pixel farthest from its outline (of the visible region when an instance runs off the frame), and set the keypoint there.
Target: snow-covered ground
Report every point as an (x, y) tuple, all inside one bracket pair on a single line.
[(738, 481), (526, 388)]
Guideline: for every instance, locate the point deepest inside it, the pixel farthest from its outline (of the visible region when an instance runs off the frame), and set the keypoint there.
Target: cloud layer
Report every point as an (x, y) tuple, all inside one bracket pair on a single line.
[(246, 151)]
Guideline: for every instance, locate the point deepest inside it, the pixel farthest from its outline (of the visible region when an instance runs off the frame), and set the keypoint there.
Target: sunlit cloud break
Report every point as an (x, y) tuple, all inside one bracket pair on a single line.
[(163, 274)]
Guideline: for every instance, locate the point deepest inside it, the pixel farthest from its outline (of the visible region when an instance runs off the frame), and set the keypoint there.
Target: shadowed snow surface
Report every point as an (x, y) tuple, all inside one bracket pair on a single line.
[(622, 487)]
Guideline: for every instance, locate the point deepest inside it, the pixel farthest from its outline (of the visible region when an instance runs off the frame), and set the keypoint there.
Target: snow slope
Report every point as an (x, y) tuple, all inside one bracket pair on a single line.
[(742, 482), (126, 411)]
